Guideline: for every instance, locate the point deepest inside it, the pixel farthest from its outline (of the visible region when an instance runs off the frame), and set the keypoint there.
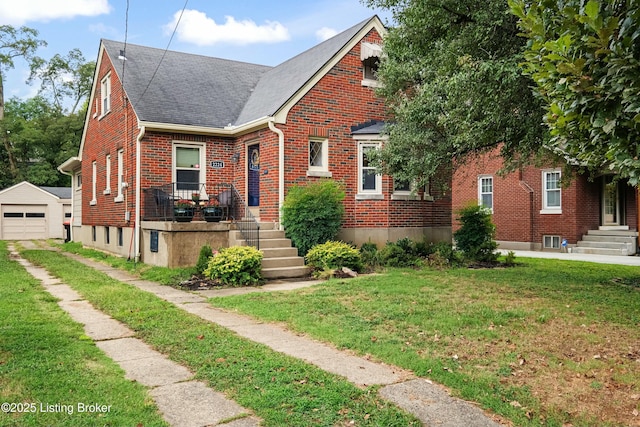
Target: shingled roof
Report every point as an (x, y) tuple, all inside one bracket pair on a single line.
[(197, 90)]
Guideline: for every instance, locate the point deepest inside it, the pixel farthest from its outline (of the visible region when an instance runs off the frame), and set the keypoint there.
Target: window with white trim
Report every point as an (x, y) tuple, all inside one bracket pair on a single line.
[(120, 196), (94, 178), (369, 180), (551, 242), (318, 157), (79, 181), (485, 192), (107, 174), (105, 95), (188, 167), (370, 54), (551, 192)]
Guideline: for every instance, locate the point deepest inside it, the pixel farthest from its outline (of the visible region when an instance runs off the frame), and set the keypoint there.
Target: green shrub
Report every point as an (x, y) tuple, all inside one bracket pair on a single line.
[(370, 255), (334, 255), (399, 254), (442, 255), (203, 259), (476, 235), (236, 266), (312, 214)]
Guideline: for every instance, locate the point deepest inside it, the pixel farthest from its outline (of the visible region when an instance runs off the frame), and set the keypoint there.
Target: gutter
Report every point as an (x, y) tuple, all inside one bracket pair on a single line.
[(136, 231), (67, 169), (280, 134), (205, 130)]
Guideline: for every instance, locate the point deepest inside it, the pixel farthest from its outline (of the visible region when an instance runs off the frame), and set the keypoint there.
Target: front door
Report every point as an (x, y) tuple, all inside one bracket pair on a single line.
[(610, 201), (253, 175)]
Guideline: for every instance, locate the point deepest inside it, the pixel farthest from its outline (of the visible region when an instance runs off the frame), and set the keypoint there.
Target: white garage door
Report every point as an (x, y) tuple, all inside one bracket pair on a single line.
[(20, 222)]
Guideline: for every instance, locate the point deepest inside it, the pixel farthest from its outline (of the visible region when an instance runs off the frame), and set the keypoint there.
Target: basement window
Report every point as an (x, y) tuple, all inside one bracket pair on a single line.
[(551, 242)]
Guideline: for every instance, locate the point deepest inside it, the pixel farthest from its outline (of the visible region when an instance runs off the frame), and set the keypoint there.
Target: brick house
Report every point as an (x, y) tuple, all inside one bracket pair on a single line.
[(533, 210), (164, 126)]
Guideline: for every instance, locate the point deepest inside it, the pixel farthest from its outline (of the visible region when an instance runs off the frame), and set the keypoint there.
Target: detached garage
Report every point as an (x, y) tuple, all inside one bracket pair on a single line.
[(30, 212)]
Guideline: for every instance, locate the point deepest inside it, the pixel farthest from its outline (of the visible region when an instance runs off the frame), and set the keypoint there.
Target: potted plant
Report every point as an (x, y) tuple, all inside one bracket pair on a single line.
[(195, 196), (212, 212), (183, 210)]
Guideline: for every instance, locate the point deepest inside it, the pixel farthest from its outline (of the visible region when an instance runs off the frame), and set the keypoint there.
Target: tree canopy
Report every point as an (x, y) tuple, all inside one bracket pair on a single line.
[(584, 57), (451, 78)]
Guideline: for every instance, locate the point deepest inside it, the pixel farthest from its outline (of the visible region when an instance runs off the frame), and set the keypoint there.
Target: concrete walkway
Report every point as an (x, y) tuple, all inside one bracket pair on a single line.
[(182, 401), (600, 259), (429, 402)]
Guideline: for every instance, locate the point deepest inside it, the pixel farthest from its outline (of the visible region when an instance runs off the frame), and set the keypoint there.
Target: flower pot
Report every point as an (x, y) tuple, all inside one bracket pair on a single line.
[(212, 213), (183, 214)]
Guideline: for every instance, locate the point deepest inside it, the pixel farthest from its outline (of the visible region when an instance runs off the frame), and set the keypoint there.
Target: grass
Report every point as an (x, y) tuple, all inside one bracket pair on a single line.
[(547, 343), (45, 360), (283, 391)]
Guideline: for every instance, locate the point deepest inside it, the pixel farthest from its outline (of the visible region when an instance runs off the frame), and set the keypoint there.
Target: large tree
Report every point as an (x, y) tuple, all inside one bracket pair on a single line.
[(14, 43), (585, 58), (451, 79)]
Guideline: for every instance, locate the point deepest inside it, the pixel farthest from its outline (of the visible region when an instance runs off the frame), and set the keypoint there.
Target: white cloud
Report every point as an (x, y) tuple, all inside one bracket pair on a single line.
[(325, 33), (22, 11), (195, 27)]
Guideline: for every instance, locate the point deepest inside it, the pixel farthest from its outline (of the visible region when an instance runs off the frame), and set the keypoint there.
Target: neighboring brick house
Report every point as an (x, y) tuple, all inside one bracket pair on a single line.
[(169, 123), (533, 210)]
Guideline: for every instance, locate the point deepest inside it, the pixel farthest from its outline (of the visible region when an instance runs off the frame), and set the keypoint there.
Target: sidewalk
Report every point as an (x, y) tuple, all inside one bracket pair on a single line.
[(601, 259), (429, 402)]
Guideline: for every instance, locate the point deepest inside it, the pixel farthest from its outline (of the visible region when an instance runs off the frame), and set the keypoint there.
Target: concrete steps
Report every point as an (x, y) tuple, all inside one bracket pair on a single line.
[(280, 260), (608, 242)]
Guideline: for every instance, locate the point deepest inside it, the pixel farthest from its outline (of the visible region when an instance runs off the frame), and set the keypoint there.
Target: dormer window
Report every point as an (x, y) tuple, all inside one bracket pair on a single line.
[(370, 55)]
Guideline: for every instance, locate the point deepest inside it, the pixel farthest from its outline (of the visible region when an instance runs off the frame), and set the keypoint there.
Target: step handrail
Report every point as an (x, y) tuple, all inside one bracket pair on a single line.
[(242, 217)]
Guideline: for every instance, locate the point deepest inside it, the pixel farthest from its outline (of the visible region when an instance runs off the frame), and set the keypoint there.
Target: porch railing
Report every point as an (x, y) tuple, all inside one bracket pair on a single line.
[(159, 202)]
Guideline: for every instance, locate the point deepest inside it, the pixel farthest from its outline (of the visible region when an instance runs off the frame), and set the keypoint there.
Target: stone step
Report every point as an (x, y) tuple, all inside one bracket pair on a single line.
[(600, 238), (264, 234), (275, 243), (285, 272), (278, 252), (607, 245), (292, 261), (598, 251), (618, 233)]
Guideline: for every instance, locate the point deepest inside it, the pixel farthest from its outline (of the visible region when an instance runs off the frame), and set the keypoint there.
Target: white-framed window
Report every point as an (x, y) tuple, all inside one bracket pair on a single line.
[(370, 54), (94, 178), (551, 242), (318, 157), (369, 181), (188, 168), (79, 181), (105, 95), (551, 192), (120, 196), (485, 192), (107, 177)]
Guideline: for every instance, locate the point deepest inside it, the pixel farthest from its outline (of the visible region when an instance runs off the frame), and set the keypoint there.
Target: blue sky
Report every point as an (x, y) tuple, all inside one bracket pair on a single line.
[(244, 30)]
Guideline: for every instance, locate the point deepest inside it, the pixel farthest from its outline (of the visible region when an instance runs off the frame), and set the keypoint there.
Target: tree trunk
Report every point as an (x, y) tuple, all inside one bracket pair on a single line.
[(13, 169)]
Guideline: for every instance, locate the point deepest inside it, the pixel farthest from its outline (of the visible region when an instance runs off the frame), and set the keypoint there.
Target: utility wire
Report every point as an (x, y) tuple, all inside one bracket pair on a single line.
[(165, 51)]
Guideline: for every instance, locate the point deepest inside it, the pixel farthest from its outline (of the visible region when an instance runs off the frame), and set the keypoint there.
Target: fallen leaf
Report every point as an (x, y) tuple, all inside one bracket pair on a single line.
[(200, 337), (515, 404)]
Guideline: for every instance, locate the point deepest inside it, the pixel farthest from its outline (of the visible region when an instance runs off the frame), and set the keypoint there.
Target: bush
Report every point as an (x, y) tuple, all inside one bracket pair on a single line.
[(333, 255), (399, 254), (203, 259), (312, 214), (475, 238), (236, 266), (442, 255), (370, 255)]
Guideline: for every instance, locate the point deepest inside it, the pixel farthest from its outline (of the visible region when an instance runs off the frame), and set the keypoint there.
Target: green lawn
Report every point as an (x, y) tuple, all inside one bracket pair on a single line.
[(546, 343), (279, 389), (50, 372)]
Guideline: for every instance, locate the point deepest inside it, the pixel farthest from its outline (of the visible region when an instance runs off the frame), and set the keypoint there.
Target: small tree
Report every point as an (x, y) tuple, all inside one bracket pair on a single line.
[(475, 238), (312, 214)]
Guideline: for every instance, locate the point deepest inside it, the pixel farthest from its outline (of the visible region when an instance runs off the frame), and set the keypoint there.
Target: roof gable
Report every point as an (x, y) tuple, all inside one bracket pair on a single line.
[(281, 83), (25, 187)]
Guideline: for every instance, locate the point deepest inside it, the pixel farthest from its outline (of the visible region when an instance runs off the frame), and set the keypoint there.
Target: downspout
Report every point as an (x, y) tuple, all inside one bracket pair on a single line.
[(136, 231), (280, 134)]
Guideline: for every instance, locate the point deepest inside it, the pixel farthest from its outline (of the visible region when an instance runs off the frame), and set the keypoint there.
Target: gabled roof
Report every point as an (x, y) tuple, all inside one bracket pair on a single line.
[(186, 89), (197, 90), (57, 192)]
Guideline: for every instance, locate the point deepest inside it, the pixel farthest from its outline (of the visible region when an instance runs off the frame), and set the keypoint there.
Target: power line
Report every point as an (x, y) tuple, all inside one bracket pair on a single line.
[(165, 51)]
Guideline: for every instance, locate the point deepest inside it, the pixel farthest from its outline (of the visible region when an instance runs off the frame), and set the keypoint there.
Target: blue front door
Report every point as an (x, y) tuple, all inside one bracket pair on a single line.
[(253, 175)]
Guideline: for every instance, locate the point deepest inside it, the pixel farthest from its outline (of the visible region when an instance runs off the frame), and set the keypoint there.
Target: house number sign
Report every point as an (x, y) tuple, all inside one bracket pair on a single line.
[(217, 164)]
